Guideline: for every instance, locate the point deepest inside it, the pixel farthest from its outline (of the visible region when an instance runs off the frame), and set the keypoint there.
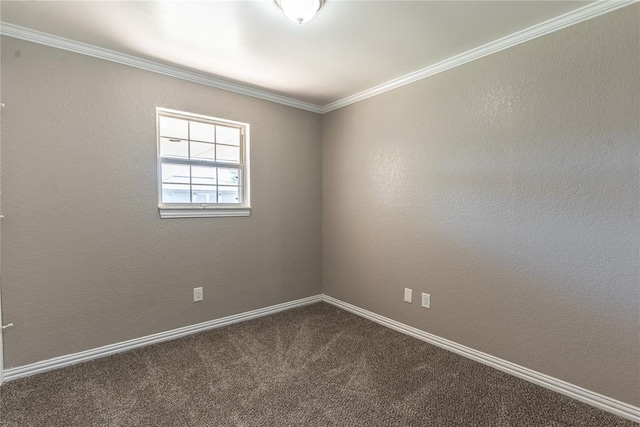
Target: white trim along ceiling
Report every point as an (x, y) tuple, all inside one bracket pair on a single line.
[(563, 21)]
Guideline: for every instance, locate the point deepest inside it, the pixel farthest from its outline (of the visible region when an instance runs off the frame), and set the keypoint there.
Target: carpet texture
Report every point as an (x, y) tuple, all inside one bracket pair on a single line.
[(312, 366)]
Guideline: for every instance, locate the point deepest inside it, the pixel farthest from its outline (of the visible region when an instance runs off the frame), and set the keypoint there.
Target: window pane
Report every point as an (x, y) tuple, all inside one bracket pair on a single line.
[(226, 153), (229, 136), (228, 176), (202, 151), (203, 175), (204, 194), (228, 195), (175, 193), (175, 174), (176, 128), (170, 147), (201, 132)]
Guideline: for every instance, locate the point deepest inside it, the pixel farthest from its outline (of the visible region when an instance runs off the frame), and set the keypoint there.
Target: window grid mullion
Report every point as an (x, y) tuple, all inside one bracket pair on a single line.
[(217, 185), (215, 152), (195, 162), (215, 157), (190, 165)]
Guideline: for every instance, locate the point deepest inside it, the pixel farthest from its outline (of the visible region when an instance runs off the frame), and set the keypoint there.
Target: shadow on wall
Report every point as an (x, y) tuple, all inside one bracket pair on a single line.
[(508, 189), (530, 252)]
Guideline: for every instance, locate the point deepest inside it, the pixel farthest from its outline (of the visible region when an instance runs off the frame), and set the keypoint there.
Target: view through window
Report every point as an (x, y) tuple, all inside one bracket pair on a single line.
[(201, 161)]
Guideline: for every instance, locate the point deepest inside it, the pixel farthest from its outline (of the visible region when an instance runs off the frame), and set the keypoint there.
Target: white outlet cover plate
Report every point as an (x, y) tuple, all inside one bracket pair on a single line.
[(426, 300), (407, 295), (198, 294)]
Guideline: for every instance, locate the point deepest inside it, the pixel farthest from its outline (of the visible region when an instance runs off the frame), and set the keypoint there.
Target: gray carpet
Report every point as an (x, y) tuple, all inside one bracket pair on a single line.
[(312, 366)]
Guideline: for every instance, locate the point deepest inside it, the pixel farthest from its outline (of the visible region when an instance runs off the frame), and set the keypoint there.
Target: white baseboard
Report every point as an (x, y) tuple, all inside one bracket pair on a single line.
[(594, 399), (600, 401), (107, 350)]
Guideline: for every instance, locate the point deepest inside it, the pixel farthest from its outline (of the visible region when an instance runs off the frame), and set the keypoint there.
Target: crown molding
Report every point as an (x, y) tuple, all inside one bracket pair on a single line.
[(590, 11), (585, 13), (23, 33)]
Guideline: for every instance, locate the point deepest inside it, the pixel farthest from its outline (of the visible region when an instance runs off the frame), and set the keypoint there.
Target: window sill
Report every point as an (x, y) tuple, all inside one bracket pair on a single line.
[(202, 212)]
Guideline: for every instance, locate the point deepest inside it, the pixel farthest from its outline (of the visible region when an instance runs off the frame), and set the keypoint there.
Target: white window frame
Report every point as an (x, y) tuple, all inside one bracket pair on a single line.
[(205, 210)]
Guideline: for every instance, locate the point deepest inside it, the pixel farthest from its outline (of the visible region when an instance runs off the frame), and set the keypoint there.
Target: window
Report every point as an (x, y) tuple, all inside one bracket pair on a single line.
[(203, 166)]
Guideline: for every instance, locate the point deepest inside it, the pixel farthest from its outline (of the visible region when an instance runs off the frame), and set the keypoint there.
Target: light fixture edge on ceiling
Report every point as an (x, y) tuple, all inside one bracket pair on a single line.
[(300, 11)]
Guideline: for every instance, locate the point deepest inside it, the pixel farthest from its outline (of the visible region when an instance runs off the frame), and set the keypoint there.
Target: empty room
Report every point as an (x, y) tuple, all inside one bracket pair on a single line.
[(319, 213)]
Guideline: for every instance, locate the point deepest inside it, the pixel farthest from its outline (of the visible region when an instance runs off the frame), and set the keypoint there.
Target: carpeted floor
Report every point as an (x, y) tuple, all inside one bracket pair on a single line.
[(311, 366)]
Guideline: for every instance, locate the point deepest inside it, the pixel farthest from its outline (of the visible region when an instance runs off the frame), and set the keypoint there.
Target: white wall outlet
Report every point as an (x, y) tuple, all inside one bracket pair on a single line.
[(407, 295), (198, 294), (426, 300)]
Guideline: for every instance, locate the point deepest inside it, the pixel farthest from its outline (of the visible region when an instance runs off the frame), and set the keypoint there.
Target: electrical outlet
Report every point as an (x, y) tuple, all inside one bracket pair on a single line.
[(198, 294), (426, 300), (407, 295)]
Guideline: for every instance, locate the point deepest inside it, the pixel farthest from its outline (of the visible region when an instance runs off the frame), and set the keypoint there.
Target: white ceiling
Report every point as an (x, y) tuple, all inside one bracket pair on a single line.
[(350, 46)]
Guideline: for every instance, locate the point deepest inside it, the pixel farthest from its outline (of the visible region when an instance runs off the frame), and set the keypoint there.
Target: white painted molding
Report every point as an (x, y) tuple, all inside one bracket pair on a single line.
[(202, 213), (589, 397), (594, 399), (107, 350), (590, 11), (23, 33)]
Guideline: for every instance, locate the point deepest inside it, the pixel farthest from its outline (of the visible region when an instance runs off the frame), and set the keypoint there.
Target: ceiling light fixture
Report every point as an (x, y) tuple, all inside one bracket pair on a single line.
[(300, 11)]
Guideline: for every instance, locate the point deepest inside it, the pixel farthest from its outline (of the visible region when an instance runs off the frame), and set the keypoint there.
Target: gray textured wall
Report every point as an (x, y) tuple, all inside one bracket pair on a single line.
[(508, 189), (86, 260)]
